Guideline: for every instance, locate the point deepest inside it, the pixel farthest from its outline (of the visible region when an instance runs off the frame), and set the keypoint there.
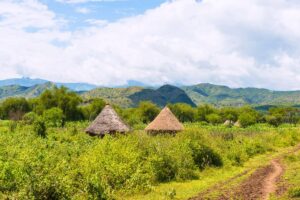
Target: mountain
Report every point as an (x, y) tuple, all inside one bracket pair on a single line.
[(131, 96), (128, 97), (22, 91), (162, 96), (28, 82), (225, 96), (118, 96)]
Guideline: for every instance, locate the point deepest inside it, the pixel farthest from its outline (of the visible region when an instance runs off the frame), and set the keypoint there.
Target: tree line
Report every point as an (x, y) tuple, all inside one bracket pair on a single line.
[(56, 106)]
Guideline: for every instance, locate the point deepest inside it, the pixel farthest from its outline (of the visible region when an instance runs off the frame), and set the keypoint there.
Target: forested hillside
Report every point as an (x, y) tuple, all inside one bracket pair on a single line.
[(192, 95)]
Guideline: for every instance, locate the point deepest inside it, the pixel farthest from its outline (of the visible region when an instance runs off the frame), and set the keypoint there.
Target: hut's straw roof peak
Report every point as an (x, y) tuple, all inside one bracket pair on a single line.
[(108, 121), (165, 122)]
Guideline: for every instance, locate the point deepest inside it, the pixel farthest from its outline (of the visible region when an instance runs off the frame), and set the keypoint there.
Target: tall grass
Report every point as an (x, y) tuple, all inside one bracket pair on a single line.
[(69, 164)]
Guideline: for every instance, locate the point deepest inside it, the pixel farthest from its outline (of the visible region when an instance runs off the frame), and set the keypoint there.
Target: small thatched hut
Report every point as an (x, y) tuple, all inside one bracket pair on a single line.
[(107, 122), (237, 124), (165, 122), (229, 123)]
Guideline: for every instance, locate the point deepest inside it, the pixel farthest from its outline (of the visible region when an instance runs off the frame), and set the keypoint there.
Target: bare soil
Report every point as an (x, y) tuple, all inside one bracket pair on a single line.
[(259, 185)]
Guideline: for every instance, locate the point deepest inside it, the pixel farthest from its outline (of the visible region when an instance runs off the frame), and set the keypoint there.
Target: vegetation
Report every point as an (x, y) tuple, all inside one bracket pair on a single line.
[(60, 163), (58, 105), (45, 154)]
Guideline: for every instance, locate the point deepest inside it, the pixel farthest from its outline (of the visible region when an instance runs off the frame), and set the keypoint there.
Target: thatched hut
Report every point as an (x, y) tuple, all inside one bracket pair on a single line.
[(228, 123), (107, 122), (165, 122), (237, 124)]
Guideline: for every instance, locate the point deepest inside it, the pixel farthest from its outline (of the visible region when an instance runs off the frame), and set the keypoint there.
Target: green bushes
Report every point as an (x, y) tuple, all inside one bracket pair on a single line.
[(66, 163), (294, 193), (54, 117), (39, 128)]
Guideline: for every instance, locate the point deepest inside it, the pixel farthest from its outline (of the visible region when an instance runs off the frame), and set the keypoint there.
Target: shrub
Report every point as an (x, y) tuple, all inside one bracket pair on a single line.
[(247, 119), (30, 117), (294, 193), (54, 117), (205, 156), (13, 126), (39, 128), (214, 118)]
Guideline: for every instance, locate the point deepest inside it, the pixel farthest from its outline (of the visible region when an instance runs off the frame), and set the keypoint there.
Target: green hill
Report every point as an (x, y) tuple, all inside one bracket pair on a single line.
[(192, 95), (127, 97), (22, 91), (223, 95)]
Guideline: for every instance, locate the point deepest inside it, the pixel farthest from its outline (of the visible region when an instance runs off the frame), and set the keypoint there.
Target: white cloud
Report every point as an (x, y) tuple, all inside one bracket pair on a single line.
[(232, 42), (86, 1), (83, 10)]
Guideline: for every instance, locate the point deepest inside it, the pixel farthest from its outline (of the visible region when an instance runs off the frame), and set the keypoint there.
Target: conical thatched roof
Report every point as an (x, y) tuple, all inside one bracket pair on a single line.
[(237, 124), (108, 121), (228, 123), (165, 122)]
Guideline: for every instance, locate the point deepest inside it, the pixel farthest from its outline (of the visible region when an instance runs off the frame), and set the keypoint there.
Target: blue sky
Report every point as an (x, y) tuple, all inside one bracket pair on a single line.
[(109, 42), (78, 13)]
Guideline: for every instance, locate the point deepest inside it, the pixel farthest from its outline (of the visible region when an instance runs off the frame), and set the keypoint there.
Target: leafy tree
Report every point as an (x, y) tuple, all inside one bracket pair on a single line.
[(184, 112), (247, 119), (14, 108), (30, 118), (281, 115), (203, 111), (91, 111), (54, 117), (214, 118), (39, 128), (147, 111), (64, 99), (275, 119), (229, 113)]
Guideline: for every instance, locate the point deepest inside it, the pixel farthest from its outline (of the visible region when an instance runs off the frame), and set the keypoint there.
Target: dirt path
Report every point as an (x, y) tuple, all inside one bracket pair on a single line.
[(258, 186), (272, 178)]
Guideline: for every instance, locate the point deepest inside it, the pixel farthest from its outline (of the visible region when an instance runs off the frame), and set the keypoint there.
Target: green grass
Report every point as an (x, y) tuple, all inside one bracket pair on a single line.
[(69, 164), (291, 177)]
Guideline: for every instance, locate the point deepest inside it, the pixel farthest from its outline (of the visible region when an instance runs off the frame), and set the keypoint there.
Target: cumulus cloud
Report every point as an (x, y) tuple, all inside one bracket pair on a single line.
[(83, 10), (86, 1), (232, 42)]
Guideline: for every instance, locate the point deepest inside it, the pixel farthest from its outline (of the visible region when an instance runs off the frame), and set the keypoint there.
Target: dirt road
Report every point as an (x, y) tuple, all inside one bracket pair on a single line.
[(258, 186)]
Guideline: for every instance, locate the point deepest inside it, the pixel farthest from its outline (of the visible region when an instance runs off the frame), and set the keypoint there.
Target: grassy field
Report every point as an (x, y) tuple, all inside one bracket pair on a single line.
[(68, 164), (291, 178)]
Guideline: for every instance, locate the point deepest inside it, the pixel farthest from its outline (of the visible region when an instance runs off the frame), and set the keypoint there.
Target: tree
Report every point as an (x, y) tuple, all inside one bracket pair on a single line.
[(54, 117), (64, 99), (214, 118), (147, 111), (184, 112), (39, 128), (247, 119), (91, 111), (30, 118), (203, 111), (14, 108), (229, 113)]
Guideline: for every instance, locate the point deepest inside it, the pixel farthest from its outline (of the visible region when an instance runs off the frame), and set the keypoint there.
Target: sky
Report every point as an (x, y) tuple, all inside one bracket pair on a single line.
[(108, 42)]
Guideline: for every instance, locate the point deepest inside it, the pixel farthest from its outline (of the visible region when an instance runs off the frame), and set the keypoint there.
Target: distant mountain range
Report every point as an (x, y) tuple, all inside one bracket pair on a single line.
[(28, 82), (136, 92)]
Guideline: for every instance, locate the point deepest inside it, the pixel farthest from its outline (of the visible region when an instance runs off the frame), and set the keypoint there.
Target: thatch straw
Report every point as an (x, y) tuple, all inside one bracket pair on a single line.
[(165, 122), (229, 123), (107, 122), (237, 124)]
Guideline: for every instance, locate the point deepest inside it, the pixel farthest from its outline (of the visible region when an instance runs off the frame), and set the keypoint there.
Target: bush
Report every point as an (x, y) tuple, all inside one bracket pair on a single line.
[(204, 156), (39, 128), (214, 118), (54, 117), (30, 118), (294, 193), (247, 119), (13, 126)]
